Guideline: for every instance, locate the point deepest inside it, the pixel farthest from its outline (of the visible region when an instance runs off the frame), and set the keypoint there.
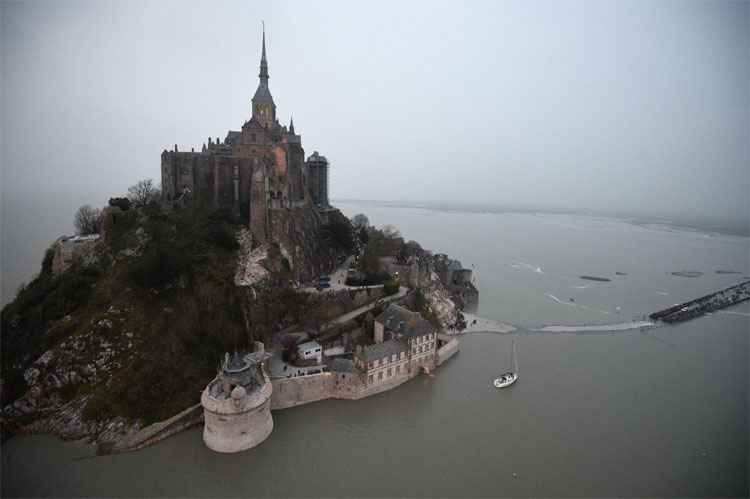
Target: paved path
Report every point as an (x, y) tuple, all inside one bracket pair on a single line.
[(338, 280), (364, 309)]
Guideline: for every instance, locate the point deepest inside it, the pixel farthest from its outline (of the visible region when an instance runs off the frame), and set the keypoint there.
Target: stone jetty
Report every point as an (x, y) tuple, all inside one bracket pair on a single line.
[(705, 304)]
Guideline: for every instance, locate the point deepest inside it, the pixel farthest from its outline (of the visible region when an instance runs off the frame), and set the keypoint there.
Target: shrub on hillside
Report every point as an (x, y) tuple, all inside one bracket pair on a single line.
[(223, 235), (122, 203), (391, 287)]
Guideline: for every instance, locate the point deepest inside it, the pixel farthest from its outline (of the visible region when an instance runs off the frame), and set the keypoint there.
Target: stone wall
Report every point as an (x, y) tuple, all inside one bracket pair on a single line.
[(156, 432), (336, 303), (448, 349), (290, 392), (237, 423)]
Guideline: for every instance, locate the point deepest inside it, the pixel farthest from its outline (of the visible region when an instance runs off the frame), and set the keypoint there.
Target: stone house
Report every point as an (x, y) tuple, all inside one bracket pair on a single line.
[(404, 343), (311, 350)]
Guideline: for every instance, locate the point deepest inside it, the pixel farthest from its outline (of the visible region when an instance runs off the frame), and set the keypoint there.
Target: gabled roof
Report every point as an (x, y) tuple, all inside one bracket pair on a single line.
[(232, 137), (384, 349), (342, 366), (253, 123), (404, 321)]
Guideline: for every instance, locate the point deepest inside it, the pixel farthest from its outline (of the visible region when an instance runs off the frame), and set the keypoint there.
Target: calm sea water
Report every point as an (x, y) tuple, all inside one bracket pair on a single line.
[(656, 413)]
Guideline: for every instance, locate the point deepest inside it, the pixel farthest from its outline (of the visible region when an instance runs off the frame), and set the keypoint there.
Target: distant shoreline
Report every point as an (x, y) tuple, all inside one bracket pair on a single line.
[(741, 229)]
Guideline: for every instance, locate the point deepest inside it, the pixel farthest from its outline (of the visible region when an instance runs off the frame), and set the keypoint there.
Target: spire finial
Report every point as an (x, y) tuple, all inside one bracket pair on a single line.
[(291, 124), (263, 62), (263, 56)]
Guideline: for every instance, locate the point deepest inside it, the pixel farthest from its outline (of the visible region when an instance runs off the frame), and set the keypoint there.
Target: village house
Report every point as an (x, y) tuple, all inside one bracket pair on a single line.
[(310, 350), (403, 344)]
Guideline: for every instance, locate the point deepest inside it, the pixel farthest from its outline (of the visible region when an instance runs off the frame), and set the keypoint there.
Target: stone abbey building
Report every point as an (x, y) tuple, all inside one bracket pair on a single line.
[(251, 172)]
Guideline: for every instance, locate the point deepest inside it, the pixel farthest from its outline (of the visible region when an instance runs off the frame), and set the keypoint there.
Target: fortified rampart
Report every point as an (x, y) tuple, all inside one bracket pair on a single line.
[(448, 348), (237, 404), (238, 423), (291, 392), (300, 390)]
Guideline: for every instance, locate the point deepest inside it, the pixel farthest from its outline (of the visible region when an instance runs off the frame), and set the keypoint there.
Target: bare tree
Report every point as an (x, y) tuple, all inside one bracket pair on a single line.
[(144, 192), (88, 220)]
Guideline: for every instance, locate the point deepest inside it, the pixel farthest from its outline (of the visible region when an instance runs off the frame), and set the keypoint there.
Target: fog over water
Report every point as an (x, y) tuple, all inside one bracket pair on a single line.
[(635, 107), (628, 108)]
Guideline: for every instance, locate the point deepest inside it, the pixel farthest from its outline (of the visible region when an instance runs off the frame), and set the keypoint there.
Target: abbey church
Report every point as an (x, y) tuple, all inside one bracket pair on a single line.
[(251, 172)]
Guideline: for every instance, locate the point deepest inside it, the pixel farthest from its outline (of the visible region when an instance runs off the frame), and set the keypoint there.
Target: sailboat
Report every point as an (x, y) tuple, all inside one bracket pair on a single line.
[(508, 378)]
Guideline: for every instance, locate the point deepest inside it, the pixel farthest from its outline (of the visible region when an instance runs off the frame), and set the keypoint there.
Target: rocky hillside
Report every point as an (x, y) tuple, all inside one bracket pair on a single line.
[(131, 333)]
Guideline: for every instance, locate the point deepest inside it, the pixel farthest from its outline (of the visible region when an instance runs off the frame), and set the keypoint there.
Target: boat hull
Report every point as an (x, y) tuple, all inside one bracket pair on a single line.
[(505, 381)]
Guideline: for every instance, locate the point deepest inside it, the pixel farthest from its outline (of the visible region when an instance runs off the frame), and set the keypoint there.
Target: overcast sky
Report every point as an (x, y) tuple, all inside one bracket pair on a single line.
[(627, 106)]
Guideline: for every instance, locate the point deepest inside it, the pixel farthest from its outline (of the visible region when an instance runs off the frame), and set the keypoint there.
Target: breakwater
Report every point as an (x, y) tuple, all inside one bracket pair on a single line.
[(705, 304)]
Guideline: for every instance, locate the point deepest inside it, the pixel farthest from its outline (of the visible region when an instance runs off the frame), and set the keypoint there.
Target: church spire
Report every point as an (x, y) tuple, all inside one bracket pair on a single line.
[(263, 62), (291, 125), (264, 110)]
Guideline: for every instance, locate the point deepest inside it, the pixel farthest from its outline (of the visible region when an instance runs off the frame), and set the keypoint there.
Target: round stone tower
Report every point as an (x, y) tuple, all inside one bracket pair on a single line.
[(237, 403)]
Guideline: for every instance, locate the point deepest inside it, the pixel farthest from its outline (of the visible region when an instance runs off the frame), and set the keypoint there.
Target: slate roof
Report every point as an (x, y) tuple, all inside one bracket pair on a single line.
[(317, 157), (236, 363), (404, 321), (263, 94), (232, 137), (342, 366), (384, 349), (308, 345)]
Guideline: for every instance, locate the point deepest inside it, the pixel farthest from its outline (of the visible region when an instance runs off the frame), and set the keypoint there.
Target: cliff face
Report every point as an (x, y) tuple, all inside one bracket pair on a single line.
[(300, 235)]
